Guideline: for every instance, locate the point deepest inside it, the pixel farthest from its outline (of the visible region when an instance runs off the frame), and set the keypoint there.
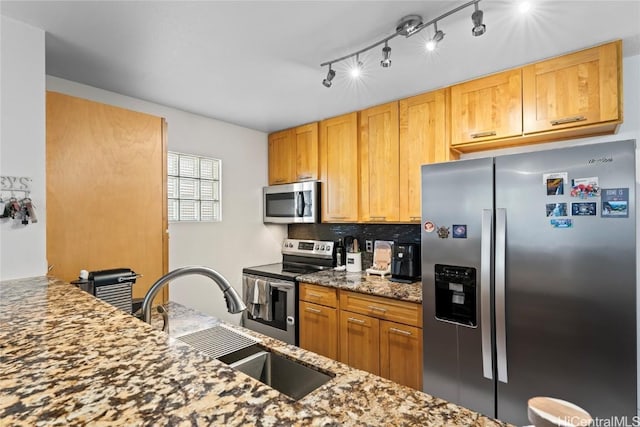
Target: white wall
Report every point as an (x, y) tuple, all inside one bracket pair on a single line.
[(241, 239), (22, 144)]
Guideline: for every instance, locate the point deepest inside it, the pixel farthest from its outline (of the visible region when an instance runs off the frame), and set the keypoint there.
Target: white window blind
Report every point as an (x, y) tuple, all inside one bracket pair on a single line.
[(193, 188)]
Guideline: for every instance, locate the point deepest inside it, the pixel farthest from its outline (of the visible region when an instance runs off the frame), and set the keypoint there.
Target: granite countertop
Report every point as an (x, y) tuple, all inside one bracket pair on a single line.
[(70, 359), (367, 284)]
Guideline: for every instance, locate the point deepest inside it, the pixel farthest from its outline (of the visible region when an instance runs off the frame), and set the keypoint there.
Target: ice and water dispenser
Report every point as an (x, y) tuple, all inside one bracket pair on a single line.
[(456, 294)]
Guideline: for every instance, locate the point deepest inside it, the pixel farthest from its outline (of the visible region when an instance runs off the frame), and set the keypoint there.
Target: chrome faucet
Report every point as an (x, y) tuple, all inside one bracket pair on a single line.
[(231, 297)]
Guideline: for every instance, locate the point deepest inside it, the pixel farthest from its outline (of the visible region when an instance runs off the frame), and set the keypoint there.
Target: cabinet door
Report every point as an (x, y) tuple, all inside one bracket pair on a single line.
[(339, 168), (572, 90), (487, 108), (360, 341), (282, 157), (423, 139), (319, 329), (106, 190), (379, 163), (401, 353), (306, 138)]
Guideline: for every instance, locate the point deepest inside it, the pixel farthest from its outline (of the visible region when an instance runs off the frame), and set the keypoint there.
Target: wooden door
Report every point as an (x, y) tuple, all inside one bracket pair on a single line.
[(487, 108), (360, 341), (423, 139), (306, 138), (106, 190), (573, 90), (319, 329), (401, 353), (282, 157), (339, 168), (379, 163)]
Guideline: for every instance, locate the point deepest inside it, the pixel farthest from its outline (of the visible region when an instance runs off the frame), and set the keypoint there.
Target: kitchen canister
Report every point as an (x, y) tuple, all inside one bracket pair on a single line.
[(354, 262)]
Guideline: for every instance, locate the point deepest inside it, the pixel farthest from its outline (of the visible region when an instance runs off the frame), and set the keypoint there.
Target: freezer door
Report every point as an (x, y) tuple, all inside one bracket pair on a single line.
[(569, 302), (458, 194)]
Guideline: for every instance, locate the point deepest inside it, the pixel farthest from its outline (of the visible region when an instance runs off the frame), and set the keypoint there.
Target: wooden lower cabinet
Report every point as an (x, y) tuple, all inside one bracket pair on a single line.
[(360, 341), (401, 353), (318, 329)]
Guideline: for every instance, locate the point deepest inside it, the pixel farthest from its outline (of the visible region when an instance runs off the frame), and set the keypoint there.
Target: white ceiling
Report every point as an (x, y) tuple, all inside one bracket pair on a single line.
[(256, 63)]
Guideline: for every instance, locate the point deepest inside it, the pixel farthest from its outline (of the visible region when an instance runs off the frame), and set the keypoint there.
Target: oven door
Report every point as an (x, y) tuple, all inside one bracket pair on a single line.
[(282, 303)]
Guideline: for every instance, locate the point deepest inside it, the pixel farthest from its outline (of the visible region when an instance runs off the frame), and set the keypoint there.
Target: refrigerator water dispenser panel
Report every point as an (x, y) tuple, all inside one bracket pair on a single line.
[(456, 294)]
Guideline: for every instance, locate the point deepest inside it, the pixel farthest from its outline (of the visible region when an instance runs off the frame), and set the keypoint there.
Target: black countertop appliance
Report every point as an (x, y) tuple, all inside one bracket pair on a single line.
[(406, 262), (113, 286)]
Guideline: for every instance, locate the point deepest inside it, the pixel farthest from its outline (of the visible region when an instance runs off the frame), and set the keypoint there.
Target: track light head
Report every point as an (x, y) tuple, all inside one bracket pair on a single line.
[(478, 27), (330, 75), (409, 25), (386, 56), (356, 70), (437, 38)]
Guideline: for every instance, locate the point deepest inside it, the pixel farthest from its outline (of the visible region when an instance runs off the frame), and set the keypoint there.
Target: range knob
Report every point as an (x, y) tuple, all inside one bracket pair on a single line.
[(317, 247), (322, 248)]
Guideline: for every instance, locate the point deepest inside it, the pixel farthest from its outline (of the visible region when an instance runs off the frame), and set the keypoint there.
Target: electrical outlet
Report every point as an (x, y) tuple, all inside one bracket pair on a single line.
[(368, 245)]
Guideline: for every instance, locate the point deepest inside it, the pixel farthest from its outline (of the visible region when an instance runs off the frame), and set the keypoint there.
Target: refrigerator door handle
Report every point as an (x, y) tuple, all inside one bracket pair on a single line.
[(500, 284), (485, 291)]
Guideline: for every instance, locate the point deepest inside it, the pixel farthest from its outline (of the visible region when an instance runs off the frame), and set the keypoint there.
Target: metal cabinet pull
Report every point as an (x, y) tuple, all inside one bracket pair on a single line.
[(314, 295), (415, 218), (301, 177), (277, 181), (339, 217), (399, 331), (483, 134), (567, 120), (354, 320), (313, 310), (374, 308)]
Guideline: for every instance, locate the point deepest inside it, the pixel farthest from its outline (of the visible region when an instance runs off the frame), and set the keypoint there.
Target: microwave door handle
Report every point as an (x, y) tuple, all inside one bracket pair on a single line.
[(299, 204)]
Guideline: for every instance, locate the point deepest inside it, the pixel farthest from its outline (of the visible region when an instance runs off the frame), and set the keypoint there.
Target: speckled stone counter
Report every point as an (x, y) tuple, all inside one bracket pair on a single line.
[(367, 284), (70, 359)]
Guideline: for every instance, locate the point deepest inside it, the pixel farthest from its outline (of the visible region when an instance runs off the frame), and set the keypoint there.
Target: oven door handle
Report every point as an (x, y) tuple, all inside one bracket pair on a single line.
[(282, 286)]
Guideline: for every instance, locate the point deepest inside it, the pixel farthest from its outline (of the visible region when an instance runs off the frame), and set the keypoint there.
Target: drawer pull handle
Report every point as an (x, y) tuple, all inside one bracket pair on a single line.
[(313, 310), (374, 308), (415, 218), (567, 120), (483, 134), (304, 177), (377, 218), (314, 295), (399, 331), (278, 181), (354, 320), (339, 217)]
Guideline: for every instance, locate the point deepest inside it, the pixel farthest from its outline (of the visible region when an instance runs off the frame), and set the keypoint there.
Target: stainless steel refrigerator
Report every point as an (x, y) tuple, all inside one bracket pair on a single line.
[(529, 280)]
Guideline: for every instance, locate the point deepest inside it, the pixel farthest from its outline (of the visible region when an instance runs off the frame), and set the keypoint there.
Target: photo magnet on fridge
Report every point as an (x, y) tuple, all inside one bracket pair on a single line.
[(561, 223), (555, 182), (585, 187), (584, 209), (615, 203), (459, 231), (556, 209)]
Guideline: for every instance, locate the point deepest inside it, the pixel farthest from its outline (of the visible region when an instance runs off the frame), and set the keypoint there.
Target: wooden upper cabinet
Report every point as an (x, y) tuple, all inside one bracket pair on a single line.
[(282, 153), (487, 108), (423, 139), (339, 168), (379, 163), (306, 147), (578, 89)]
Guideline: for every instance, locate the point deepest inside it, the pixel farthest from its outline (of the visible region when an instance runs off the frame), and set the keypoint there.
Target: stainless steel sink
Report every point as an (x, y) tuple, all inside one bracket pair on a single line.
[(285, 375)]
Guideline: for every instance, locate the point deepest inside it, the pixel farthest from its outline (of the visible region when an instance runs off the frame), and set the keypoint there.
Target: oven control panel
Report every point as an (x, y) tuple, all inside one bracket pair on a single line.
[(314, 248)]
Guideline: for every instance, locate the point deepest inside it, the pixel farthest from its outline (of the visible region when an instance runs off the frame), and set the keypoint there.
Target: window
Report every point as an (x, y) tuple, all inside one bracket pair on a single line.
[(193, 188)]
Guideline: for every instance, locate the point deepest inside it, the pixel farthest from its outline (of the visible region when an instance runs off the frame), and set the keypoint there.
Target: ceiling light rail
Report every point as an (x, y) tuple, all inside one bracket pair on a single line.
[(408, 26)]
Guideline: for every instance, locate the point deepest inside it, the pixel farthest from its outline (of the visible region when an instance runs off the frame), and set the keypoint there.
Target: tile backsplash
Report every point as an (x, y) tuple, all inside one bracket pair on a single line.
[(399, 233)]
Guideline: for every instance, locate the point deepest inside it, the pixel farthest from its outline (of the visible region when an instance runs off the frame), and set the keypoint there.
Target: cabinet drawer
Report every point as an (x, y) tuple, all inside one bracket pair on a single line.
[(383, 308), (318, 294)]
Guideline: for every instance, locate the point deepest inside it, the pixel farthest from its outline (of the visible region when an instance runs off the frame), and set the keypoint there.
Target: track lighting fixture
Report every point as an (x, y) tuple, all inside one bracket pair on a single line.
[(478, 27), (330, 75), (437, 37), (386, 56), (407, 26)]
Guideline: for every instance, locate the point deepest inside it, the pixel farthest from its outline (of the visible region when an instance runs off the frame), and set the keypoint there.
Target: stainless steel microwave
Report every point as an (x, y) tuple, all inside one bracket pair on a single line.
[(292, 203)]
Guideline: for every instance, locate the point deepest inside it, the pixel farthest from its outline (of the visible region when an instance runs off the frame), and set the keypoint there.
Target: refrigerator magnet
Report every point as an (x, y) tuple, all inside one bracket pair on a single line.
[(429, 227), (556, 209), (443, 232), (459, 231), (584, 209), (555, 182), (561, 223), (615, 203), (585, 187)]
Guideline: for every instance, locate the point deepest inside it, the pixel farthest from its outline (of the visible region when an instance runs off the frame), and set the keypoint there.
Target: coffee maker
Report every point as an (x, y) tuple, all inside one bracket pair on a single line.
[(406, 262)]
